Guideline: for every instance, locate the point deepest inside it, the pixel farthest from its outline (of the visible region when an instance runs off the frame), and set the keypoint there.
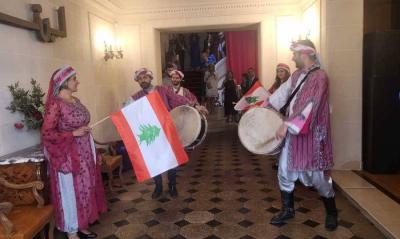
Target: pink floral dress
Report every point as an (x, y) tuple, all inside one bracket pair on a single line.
[(75, 178)]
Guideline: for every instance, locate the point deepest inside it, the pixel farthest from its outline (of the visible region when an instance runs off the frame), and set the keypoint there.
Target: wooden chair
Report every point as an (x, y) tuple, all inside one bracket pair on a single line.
[(110, 162), (25, 221)]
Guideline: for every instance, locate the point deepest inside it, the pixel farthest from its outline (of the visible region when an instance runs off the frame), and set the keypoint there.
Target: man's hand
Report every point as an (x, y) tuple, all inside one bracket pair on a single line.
[(281, 133), (266, 103), (202, 109)]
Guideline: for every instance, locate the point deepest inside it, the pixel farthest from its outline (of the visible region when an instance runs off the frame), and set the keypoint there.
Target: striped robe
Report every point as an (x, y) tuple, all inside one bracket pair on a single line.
[(309, 136), (186, 93)]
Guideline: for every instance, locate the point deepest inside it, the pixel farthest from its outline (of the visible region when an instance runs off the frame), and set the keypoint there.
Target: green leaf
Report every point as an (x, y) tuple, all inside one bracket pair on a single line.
[(252, 99), (27, 102), (148, 133)]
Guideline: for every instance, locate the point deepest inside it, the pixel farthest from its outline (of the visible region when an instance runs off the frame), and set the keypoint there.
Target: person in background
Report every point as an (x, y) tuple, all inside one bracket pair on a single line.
[(243, 79), (194, 52), (176, 79), (249, 81), (230, 96), (211, 82), (221, 46), (172, 55), (166, 78), (204, 60), (204, 68), (181, 50), (207, 42), (282, 75)]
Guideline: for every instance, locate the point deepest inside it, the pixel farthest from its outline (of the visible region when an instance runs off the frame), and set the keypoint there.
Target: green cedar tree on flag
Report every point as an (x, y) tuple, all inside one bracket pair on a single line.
[(254, 97)]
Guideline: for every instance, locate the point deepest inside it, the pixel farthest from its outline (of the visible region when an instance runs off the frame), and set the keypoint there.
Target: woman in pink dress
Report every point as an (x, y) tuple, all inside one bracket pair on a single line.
[(76, 188)]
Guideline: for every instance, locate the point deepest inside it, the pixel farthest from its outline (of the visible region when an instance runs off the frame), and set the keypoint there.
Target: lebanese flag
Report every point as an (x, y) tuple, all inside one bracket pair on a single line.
[(150, 137), (254, 97)]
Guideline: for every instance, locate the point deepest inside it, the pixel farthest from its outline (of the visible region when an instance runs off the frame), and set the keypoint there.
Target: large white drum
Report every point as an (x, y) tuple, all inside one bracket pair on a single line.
[(190, 124), (257, 129)]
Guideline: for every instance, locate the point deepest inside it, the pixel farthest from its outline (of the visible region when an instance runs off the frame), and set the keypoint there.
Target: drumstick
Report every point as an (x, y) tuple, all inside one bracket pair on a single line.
[(100, 121), (266, 142), (269, 140)]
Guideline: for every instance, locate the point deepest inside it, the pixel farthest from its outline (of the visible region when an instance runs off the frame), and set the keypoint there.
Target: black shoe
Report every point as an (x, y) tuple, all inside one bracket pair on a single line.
[(331, 222), (157, 192), (84, 235), (173, 192), (284, 214), (287, 210)]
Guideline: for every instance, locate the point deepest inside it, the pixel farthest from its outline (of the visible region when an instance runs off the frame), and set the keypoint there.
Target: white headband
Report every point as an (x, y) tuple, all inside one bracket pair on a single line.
[(144, 71), (177, 72), (302, 48)]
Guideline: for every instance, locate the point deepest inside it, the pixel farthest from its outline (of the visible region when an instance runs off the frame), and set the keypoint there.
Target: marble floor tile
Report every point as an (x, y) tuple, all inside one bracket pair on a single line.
[(224, 192)]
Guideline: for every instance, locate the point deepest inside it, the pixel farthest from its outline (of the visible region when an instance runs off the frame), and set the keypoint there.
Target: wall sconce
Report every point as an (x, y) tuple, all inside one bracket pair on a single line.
[(109, 53)]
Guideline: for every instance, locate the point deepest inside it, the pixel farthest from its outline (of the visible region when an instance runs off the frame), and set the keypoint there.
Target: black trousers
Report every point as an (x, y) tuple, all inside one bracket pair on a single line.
[(171, 177)]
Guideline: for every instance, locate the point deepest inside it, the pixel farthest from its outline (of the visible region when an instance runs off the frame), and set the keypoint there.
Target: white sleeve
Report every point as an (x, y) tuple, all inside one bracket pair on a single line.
[(300, 124), (280, 96)]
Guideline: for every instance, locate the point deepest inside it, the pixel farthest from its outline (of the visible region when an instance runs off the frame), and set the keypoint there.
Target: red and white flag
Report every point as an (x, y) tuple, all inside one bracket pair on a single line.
[(254, 97), (150, 137)]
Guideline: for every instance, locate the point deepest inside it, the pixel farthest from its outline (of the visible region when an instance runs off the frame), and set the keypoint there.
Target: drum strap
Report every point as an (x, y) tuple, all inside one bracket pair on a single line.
[(284, 108)]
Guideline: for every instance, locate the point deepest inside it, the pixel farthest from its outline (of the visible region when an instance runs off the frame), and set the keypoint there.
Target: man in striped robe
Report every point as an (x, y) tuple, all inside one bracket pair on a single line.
[(307, 152), (176, 77)]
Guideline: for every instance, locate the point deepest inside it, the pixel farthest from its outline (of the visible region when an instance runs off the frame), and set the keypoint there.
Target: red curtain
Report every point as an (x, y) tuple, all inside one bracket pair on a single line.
[(242, 52)]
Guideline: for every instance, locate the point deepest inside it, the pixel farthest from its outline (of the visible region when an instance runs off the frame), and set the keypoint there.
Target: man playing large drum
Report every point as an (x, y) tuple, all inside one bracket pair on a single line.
[(187, 120), (307, 152), (176, 77)]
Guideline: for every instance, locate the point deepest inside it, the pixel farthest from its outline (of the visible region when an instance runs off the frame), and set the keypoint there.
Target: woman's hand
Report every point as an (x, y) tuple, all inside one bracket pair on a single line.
[(281, 133), (81, 131)]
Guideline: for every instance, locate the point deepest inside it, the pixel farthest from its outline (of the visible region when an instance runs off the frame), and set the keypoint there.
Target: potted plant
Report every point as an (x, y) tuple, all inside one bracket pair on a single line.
[(29, 103)]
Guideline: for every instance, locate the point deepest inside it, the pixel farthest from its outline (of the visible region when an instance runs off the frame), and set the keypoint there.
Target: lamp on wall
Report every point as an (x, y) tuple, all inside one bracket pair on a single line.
[(109, 53)]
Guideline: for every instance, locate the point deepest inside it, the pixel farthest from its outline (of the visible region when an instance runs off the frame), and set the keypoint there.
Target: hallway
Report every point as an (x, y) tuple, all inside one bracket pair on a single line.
[(224, 192)]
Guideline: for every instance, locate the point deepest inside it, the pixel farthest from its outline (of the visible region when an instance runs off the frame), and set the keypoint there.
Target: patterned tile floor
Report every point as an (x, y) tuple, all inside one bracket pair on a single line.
[(224, 192)]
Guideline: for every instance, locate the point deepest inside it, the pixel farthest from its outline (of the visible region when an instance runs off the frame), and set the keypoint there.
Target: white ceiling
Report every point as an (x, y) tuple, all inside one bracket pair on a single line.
[(127, 5)]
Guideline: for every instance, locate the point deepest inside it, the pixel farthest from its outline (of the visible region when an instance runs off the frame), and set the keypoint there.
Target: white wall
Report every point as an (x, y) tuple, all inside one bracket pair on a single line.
[(23, 57), (342, 37)]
